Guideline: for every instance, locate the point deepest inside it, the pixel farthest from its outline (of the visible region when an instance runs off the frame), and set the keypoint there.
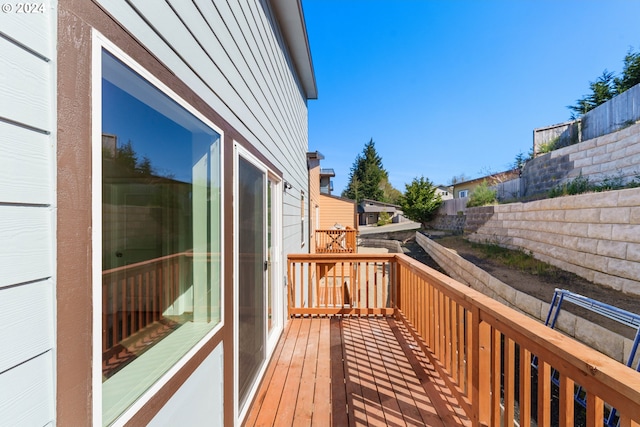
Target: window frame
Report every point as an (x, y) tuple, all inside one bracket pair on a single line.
[(100, 43), (302, 221)]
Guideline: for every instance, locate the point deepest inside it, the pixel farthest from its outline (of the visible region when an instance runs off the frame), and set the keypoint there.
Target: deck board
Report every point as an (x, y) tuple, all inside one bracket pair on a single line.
[(351, 371)]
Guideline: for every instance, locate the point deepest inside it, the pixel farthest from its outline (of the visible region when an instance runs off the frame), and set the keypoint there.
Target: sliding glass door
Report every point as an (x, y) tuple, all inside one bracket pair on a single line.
[(252, 262), (258, 307)]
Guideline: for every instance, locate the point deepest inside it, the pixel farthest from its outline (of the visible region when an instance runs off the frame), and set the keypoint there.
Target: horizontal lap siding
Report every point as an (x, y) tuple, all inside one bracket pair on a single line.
[(230, 54), (27, 205)]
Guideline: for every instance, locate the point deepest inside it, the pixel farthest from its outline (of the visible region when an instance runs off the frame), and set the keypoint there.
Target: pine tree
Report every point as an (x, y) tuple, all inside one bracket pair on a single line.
[(366, 176), (420, 201), (630, 72)]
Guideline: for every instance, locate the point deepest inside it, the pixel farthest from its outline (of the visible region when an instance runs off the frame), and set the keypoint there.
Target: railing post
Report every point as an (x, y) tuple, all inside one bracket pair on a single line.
[(481, 371)]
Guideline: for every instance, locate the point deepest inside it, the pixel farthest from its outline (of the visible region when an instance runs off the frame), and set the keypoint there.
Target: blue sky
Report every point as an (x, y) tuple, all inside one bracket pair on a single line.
[(450, 87)]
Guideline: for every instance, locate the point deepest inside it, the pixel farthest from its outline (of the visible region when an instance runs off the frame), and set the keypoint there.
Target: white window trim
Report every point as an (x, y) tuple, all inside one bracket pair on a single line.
[(100, 42), (303, 230)]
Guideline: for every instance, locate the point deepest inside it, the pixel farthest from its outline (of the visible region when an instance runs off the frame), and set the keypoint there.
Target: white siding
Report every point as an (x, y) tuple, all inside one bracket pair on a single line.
[(25, 165), (25, 393), (25, 322), (26, 244), (25, 81), (229, 54), (197, 402), (27, 206)]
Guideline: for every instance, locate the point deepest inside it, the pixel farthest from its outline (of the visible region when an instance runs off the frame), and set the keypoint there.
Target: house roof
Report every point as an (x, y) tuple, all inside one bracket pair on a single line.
[(491, 179), (368, 205), (294, 30), (344, 199), (327, 172)]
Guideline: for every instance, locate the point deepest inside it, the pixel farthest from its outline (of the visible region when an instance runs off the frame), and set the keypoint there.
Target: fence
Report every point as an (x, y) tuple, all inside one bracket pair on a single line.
[(453, 206), (619, 112)]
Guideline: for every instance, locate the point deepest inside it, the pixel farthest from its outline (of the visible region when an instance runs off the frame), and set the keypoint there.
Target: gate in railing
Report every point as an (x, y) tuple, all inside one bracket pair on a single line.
[(336, 241)]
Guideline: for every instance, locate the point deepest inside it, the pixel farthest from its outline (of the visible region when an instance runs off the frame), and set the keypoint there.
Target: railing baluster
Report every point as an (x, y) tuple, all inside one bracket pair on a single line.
[(595, 410), (566, 401), (455, 371), (544, 393), (484, 372), (509, 382), (318, 291), (496, 377), (525, 387)]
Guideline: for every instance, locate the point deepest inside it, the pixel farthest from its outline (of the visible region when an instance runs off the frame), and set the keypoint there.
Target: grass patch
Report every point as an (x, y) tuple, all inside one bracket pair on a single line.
[(517, 259)]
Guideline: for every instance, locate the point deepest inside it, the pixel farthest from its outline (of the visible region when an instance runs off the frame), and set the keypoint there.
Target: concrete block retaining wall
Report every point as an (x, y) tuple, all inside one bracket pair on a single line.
[(597, 337), (596, 235), (612, 155)]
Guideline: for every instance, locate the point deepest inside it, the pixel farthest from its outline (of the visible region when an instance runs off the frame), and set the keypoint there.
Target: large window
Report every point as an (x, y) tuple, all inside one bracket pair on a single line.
[(161, 234)]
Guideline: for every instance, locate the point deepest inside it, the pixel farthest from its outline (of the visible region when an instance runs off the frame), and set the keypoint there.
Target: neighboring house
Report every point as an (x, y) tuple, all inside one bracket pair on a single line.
[(446, 193), (326, 212), (326, 184), (152, 184), (369, 211), (464, 189), (337, 212)]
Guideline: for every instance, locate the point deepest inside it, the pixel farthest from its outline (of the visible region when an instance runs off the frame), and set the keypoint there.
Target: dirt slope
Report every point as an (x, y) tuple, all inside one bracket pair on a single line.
[(539, 286)]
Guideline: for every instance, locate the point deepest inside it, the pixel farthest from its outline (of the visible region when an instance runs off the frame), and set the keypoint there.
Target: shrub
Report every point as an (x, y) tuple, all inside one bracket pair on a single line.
[(549, 146), (384, 218), (578, 185), (482, 196)]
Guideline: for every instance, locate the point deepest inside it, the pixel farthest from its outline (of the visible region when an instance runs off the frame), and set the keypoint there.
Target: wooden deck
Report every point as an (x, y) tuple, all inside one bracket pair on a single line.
[(352, 371)]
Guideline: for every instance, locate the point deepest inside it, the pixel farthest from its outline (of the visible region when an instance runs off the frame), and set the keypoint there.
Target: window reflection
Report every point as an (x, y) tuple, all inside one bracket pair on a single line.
[(160, 231)]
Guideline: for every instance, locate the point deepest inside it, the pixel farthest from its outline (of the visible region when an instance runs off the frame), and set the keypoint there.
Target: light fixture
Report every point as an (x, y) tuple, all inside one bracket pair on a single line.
[(287, 186)]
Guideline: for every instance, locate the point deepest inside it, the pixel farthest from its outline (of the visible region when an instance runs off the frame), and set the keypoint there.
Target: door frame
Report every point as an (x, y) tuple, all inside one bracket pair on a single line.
[(270, 337)]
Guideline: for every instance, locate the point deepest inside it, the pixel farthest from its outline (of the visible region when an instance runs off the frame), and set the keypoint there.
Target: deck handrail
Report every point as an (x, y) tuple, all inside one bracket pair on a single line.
[(471, 339)]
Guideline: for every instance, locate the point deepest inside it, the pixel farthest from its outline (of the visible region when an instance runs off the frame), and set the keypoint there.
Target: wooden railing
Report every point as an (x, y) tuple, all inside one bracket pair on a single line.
[(482, 349), (135, 296), (335, 284), (336, 241)]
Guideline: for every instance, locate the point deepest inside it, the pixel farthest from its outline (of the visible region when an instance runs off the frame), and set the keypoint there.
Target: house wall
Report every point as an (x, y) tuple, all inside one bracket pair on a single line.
[(213, 48), (27, 215), (336, 211), (314, 201), (225, 59), (596, 235)]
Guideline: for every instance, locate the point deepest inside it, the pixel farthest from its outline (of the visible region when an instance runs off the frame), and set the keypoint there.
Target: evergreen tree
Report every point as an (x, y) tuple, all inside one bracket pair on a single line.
[(367, 176), (420, 201), (630, 72), (602, 90), (607, 86)]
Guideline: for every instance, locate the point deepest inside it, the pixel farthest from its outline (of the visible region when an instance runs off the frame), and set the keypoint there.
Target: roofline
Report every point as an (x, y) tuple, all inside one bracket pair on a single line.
[(315, 155), (382, 203), (486, 177), (290, 16), (344, 199)]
